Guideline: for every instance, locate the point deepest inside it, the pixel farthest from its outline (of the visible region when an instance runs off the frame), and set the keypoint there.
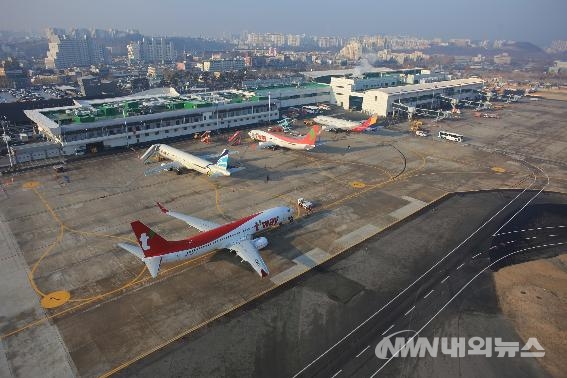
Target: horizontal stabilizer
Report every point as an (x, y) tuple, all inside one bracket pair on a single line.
[(133, 249), (222, 153), (153, 264), (236, 169)]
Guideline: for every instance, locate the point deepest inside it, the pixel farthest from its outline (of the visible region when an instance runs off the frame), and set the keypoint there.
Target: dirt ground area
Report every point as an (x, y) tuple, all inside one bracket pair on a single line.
[(534, 296)]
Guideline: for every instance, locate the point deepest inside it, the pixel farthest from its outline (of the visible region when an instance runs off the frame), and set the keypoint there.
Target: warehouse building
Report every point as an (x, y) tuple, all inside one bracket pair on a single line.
[(35, 151)]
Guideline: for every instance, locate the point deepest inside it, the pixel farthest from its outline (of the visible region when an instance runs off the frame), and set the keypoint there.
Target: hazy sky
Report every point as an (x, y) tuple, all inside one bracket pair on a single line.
[(538, 21)]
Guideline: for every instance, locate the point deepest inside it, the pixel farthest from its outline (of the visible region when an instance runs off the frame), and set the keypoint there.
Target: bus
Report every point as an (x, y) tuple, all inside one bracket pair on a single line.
[(451, 136)]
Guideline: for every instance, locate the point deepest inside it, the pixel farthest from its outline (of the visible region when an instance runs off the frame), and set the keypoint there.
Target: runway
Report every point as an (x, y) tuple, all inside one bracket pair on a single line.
[(457, 270)]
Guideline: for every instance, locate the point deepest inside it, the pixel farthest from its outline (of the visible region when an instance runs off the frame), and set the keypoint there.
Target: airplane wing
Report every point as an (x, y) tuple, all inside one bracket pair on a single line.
[(218, 155), (162, 167), (198, 223), (246, 250)]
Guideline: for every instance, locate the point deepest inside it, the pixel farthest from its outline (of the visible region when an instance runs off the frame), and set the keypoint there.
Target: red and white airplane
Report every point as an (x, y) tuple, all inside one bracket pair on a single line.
[(236, 236), (268, 140), (337, 124)]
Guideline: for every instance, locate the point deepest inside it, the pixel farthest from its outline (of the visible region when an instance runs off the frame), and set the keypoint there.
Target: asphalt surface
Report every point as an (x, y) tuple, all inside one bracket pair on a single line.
[(427, 274), (458, 290)]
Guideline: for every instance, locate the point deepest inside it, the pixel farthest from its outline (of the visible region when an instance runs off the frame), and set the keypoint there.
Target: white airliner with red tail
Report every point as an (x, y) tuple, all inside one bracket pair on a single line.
[(337, 124), (268, 140), (154, 250)]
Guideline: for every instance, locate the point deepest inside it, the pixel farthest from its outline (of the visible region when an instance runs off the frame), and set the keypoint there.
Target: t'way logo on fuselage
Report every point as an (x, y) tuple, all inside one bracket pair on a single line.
[(265, 224)]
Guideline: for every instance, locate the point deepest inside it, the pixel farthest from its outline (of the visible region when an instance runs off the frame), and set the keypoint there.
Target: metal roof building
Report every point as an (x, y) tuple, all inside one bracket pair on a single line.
[(380, 101)]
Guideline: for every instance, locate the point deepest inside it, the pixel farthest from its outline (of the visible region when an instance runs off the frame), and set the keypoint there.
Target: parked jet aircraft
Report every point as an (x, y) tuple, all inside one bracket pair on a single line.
[(269, 140), (180, 159), (336, 124), (154, 250)]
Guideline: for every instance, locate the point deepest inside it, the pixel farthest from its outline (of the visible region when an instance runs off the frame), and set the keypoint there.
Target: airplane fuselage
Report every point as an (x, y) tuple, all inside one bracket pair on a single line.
[(267, 140), (336, 124), (191, 162), (331, 123), (223, 236)]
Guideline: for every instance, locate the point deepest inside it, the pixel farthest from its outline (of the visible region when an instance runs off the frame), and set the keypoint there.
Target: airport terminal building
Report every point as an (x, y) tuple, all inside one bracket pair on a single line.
[(161, 114), (147, 117), (375, 90), (427, 95)]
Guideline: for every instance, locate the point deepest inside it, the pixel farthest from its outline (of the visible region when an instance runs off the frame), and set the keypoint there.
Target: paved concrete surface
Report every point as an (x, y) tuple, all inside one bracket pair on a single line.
[(43, 342), (320, 308), (67, 226)]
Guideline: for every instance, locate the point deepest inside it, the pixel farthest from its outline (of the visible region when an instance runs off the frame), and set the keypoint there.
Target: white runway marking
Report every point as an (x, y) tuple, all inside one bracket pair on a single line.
[(428, 294), (528, 229), (435, 265), (389, 328), (445, 279), (478, 254), (364, 350), (451, 300), (460, 266), (337, 373), (410, 310)]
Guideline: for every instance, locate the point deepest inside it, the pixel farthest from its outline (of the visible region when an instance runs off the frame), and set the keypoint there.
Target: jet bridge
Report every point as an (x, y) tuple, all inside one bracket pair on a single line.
[(413, 111)]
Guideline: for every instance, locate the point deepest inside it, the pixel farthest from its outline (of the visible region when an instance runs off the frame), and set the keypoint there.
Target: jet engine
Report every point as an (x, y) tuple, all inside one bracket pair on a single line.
[(260, 243), (266, 145)]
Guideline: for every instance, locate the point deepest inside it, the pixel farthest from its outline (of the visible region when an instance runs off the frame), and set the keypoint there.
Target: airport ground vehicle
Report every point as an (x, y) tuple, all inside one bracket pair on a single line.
[(307, 205), (415, 125), (309, 109), (235, 139), (59, 168), (451, 136)]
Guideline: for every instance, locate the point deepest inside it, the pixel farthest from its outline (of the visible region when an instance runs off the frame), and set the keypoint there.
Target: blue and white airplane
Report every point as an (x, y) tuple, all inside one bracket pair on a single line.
[(180, 159)]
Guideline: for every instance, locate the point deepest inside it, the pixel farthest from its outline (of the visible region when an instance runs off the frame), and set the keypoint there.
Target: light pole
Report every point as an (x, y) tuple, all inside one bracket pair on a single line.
[(6, 137), (269, 107)]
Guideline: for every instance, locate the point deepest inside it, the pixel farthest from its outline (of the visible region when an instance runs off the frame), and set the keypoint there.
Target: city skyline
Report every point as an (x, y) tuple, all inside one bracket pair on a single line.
[(479, 21)]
